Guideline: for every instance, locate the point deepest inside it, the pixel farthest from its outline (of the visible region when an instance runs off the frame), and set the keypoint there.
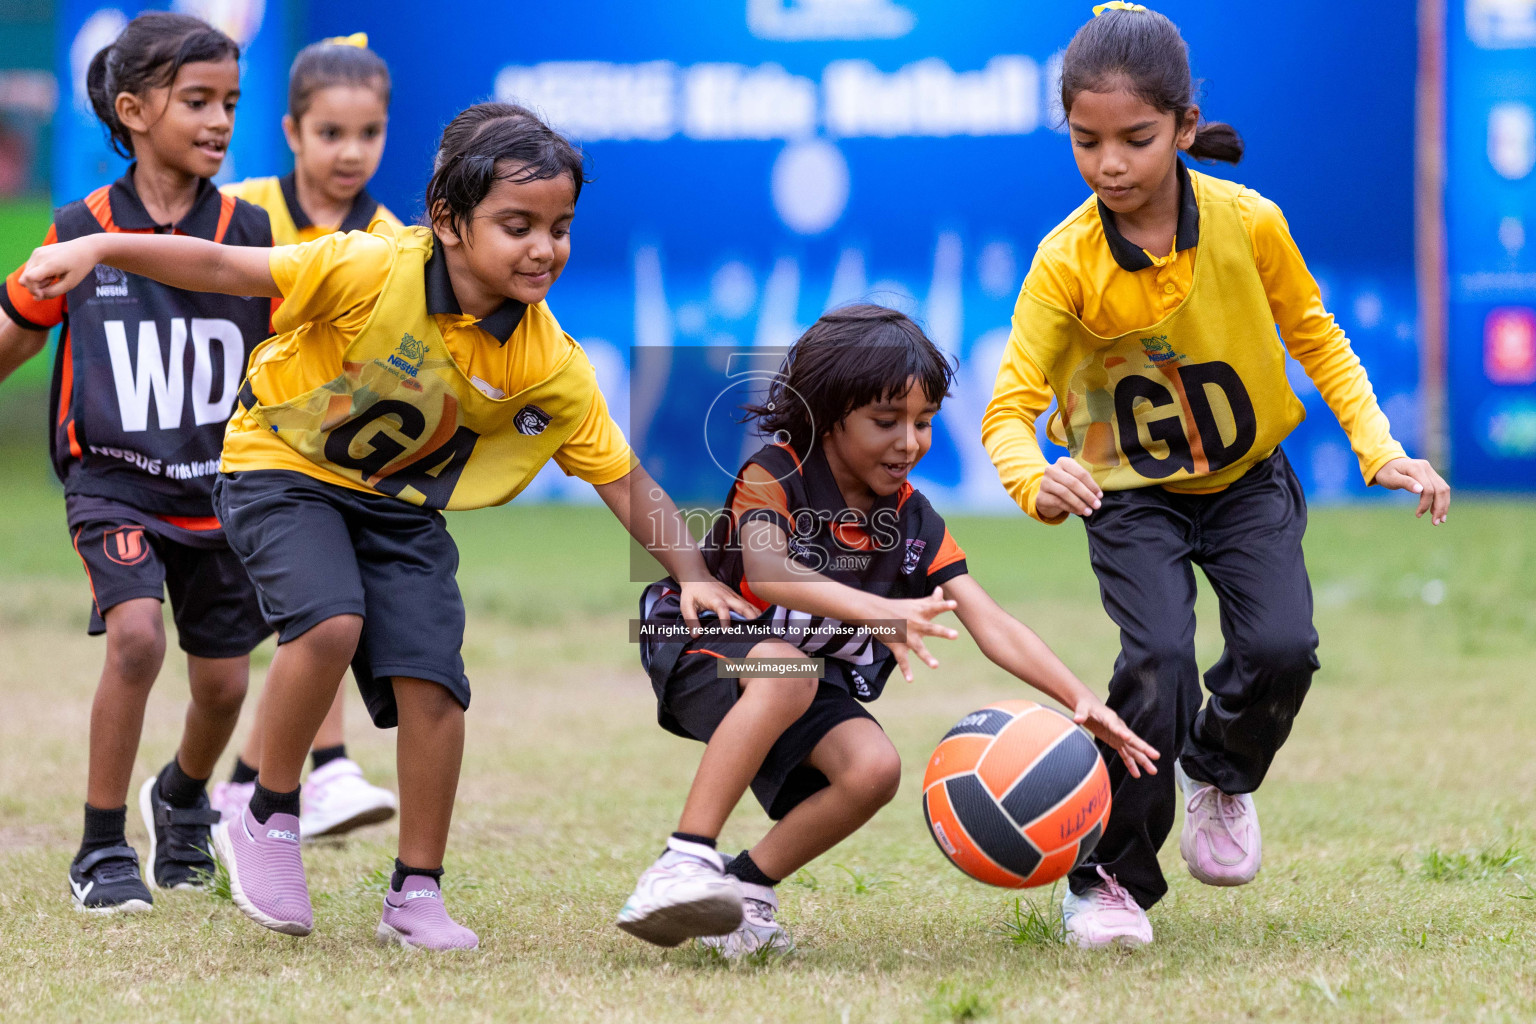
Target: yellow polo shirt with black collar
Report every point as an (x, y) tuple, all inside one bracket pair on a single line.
[(1087, 269), (290, 224), (330, 287)]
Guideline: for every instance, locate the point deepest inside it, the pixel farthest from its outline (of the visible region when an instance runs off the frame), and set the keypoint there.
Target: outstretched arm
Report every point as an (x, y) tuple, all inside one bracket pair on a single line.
[(778, 579), (1014, 647), (193, 264), (650, 516)]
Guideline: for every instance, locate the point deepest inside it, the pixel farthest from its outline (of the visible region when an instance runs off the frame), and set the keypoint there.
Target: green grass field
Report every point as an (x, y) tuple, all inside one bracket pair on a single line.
[(1400, 820)]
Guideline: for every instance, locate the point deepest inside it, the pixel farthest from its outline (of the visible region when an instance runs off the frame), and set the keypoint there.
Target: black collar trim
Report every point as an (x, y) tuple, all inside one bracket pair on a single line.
[(1131, 256), (129, 214), (442, 301), (364, 206)]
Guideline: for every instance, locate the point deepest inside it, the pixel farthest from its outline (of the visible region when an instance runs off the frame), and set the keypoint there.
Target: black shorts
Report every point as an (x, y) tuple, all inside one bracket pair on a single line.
[(212, 600), (692, 701), (316, 550)]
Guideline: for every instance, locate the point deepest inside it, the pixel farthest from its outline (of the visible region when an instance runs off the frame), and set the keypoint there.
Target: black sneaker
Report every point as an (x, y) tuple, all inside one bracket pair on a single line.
[(107, 881), (179, 840)]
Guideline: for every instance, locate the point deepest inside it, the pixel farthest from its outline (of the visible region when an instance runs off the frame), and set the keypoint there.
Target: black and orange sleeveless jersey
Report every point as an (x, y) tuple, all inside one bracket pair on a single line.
[(145, 375), (900, 549)]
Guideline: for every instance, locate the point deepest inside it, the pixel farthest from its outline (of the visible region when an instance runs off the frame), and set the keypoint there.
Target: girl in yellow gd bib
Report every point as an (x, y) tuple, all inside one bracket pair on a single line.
[(415, 370), (1149, 315)]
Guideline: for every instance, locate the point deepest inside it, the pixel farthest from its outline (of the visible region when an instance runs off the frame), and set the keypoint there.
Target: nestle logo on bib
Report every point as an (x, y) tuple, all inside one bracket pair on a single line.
[(530, 420), (111, 283), (408, 357)]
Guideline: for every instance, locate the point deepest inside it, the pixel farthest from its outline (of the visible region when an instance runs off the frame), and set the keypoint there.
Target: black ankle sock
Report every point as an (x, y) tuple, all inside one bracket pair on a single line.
[(397, 880), (689, 837), (265, 803), (178, 788), (243, 772), (103, 829), (742, 866), (322, 756)]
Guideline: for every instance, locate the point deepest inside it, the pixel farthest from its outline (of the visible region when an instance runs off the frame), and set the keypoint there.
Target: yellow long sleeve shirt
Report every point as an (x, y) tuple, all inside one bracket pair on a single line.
[(1086, 268)]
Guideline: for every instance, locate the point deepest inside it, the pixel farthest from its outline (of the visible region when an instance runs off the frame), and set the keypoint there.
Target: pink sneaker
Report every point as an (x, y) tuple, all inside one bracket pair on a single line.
[(266, 871), (1105, 915), (1220, 841), (414, 917), (231, 799)]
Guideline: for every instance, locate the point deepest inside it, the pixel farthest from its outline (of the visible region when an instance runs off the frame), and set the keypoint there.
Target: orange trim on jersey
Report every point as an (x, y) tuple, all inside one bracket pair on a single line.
[(67, 381), (226, 214), (712, 654), (197, 524), (902, 494), (74, 442), (949, 553), (755, 489), (757, 602), (44, 313), (852, 536)]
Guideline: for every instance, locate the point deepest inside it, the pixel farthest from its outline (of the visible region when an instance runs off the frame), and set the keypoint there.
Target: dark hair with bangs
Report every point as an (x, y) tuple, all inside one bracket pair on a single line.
[(1146, 50), (493, 142), (849, 358), (148, 54), (334, 62)]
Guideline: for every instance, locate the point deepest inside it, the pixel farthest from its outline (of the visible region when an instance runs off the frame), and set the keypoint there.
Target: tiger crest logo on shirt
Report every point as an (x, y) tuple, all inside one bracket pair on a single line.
[(530, 420), (914, 555)]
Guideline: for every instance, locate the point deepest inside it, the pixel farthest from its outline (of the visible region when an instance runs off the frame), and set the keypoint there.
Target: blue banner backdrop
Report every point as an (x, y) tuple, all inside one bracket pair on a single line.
[(759, 160), (1490, 205)]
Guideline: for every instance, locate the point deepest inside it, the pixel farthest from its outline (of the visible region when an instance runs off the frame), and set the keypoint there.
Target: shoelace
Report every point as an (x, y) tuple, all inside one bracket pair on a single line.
[(1228, 809), (1113, 895)]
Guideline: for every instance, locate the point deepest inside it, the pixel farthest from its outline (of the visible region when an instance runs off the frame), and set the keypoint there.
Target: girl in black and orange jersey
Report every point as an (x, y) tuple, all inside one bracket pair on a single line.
[(820, 530), (1149, 314), (415, 370), (144, 381), (338, 109)]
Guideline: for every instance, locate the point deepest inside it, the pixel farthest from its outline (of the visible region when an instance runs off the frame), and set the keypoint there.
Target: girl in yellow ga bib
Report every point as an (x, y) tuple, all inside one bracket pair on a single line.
[(338, 113), (1150, 315), (415, 370)]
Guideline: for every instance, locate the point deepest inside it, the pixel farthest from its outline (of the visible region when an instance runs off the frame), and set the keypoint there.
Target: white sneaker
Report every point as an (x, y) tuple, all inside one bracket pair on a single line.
[(1220, 840), (758, 930), (684, 895), (336, 799), (1105, 915), (231, 799)]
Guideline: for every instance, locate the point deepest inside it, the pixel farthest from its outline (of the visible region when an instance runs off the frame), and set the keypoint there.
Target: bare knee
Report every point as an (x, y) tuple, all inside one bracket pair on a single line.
[(135, 642), (792, 696), (218, 684), (873, 776), (332, 640)]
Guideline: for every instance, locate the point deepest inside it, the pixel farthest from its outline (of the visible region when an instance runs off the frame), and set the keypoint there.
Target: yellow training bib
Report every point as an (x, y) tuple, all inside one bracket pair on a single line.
[(404, 419), (1191, 401)]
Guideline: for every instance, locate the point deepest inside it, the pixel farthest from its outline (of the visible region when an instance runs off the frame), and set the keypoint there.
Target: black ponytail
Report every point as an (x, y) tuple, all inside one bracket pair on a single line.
[(148, 55), (1145, 50), (493, 142)]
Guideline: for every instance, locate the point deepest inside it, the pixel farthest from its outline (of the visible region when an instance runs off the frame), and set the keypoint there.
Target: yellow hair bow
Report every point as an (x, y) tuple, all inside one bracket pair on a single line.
[(1115, 5), (360, 39)]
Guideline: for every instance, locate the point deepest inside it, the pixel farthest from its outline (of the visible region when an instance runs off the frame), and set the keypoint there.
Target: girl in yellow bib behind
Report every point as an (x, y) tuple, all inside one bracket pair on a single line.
[(1149, 315), (338, 110), (416, 370)]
